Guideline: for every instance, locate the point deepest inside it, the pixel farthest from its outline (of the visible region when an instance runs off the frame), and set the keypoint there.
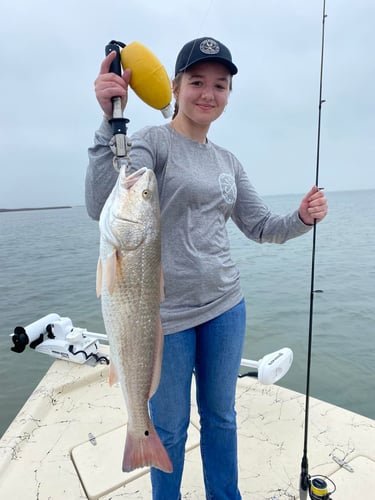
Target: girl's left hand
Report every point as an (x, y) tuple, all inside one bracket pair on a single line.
[(313, 206)]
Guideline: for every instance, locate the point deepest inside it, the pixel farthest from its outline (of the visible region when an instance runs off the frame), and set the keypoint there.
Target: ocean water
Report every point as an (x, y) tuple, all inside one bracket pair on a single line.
[(48, 264)]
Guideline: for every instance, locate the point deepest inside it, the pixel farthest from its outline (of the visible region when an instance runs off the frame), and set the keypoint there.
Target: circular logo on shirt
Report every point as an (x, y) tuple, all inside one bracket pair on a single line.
[(228, 188), (209, 46)]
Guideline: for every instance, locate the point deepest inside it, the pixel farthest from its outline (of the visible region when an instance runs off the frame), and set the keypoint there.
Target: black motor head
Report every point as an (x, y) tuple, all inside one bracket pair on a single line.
[(20, 339)]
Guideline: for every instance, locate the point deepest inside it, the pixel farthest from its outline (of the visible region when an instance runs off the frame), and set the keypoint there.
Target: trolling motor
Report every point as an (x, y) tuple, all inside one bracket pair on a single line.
[(57, 337), (150, 82), (271, 367)]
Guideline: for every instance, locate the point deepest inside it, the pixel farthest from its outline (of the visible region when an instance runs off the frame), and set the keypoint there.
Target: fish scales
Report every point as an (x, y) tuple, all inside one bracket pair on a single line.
[(129, 281)]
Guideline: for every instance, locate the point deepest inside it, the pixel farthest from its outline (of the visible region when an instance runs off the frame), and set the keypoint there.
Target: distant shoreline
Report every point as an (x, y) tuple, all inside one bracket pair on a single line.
[(28, 209)]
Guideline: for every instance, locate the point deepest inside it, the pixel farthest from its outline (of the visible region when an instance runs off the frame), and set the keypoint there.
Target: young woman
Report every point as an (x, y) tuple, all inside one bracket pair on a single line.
[(201, 186)]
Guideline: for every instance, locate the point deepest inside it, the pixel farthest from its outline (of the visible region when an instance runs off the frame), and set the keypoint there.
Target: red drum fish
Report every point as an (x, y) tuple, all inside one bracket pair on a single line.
[(129, 281)]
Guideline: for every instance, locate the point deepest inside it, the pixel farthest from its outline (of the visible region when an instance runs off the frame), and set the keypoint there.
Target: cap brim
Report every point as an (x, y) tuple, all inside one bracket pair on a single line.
[(232, 67)]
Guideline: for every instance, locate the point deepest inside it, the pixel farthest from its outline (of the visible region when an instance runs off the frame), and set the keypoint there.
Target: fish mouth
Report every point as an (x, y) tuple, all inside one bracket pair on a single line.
[(131, 179)]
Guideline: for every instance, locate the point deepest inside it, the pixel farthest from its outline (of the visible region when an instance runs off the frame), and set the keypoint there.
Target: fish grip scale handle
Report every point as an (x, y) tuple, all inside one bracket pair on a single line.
[(119, 143), (113, 45)]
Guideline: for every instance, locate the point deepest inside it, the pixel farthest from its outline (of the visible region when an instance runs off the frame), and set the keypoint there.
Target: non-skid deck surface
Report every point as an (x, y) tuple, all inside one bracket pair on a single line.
[(67, 443)]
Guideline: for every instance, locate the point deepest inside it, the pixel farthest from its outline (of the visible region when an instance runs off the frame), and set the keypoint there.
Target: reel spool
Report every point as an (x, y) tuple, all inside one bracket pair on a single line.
[(318, 488)]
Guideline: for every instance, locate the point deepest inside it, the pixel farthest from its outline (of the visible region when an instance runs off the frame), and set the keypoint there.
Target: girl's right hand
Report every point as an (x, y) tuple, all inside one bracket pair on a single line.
[(109, 85)]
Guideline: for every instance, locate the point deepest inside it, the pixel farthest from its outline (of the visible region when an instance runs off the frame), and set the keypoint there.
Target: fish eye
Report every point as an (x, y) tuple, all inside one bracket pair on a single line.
[(146, 194)]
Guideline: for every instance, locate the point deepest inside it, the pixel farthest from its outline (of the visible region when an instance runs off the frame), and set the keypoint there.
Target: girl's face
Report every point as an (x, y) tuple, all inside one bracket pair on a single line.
[(202, 92)]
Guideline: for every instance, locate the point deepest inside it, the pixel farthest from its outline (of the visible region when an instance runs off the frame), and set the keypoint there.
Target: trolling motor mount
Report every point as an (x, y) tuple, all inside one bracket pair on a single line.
[(57, 337)]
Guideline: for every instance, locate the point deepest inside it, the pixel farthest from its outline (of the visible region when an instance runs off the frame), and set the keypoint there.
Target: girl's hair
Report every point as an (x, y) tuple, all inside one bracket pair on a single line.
[(177, 82)]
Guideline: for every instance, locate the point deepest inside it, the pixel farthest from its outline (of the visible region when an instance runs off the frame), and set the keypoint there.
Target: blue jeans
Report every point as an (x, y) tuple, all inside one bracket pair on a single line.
[(213, 352)]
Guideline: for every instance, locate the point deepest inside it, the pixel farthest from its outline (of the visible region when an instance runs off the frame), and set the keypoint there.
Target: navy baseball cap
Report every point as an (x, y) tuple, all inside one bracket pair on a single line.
[(204, 49)]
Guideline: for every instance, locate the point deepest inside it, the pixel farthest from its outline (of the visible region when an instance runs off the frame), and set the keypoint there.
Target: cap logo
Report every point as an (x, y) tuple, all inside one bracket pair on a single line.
[(209, 46)]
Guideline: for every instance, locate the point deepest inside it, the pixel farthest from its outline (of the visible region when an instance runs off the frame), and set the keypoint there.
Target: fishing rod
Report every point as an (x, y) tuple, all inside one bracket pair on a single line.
[(316, 486)]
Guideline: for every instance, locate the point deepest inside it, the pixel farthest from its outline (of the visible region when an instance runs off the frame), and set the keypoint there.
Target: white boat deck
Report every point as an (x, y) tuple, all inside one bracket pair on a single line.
[(47, 453)]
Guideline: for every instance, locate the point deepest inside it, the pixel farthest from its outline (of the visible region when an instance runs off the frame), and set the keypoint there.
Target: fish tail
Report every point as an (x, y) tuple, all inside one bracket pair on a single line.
[(147, 451)]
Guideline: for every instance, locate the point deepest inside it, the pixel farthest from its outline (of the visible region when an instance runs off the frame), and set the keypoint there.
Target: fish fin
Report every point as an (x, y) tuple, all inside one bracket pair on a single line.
[(110, 271), (99, 275), (158, 355), (113, 378), (146, 451)]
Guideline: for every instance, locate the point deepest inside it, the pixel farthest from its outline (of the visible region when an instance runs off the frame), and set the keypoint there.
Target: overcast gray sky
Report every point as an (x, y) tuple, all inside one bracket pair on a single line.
[(51, 52)]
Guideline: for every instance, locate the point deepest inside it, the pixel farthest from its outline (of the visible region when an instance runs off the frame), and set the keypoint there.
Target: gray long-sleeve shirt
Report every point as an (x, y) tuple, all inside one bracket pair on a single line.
[(200, 187)]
